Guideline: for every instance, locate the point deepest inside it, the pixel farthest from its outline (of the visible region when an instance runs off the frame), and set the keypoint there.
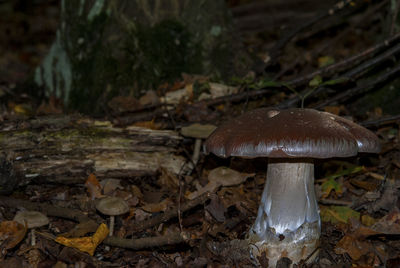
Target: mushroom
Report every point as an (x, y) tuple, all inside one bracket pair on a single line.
[(288, 222), (33, 220), (199, 132), (112, 206)]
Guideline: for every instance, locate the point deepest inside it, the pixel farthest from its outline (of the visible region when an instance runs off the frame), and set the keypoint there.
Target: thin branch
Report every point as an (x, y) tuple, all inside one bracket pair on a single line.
[(395, 119), (277, 49), (366, 87), (147, 242), (354, 73), (395, 13), (346, 63), (172, 213), (351, 61), (50, 210), (335, 202)]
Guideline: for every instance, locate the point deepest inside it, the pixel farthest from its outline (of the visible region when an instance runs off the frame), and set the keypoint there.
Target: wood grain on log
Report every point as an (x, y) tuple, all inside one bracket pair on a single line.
[(66, 149)]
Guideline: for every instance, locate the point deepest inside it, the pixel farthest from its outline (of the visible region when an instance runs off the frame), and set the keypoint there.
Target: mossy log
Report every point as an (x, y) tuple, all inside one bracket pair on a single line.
[(67, 149)]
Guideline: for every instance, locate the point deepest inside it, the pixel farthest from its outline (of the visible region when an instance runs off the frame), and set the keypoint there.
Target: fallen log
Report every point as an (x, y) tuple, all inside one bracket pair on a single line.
[(66, 149)]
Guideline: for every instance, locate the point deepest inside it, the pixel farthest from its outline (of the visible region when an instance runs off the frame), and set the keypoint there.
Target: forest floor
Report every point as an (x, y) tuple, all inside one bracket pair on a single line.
[(343, 62)]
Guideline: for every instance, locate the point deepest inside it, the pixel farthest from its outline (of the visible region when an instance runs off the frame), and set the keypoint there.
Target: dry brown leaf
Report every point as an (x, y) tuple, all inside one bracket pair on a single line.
[(110, 185), (334, 109), (81, 229), (168, 180), (157, 207), (150, 98), (219, 90), (53, 106), (192, 78), (369, 186), (11, 233), (228, 177), (355, 248), (122, 104), (148, 124), (140, 215), (216, 208), (389, 224), (388, 198), (199, 112), (221, 176), (176, 96), (93, 187), (136, 192)]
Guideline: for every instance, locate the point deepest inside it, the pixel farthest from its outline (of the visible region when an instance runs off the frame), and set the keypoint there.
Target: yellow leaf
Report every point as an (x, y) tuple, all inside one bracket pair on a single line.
[(100, 234), (367, 220), (86, 244), (336, 214), (316, 81), (220, 107), (325, 61), (22, 109), (331, 185), (147, 124), (345, 172)]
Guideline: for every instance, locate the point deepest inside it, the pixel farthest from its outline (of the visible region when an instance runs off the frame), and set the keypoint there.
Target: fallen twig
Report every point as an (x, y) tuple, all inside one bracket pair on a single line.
[(277, 49), (382, 121), (172, 213), (340, 65), (362, 89), (337, 67), (140, 243), (147, 242), (346, 63), (354, 73), (335, 202), (50, 210)]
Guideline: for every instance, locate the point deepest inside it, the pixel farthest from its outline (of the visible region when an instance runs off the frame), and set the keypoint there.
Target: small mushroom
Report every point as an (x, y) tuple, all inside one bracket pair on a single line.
[(199, 132), (112, 206), (33, 220), (288, 222), (220, 176)]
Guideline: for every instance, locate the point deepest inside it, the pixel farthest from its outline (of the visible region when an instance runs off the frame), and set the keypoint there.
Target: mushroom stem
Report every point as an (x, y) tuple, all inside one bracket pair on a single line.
[(111, 231), (112, 220), (288, 223), (33, 237), (196, 151)]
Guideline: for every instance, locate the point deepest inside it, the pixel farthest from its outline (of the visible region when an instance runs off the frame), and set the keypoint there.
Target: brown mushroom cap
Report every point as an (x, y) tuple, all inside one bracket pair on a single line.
[(112, 206), (290, 133), (33, 218)]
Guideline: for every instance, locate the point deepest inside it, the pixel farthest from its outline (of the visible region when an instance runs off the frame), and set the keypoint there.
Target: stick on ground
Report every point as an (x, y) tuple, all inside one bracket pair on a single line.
[(172, 213)]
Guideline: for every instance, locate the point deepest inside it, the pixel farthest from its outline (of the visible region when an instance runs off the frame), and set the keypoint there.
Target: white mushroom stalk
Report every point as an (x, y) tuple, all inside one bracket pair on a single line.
[(288, 217)]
